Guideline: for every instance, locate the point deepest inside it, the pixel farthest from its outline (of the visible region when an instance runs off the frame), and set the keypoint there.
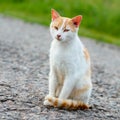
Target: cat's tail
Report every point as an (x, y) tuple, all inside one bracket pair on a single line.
[(67, 103)]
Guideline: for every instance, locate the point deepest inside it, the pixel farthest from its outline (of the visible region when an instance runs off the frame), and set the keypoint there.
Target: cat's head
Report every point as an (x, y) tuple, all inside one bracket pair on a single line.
[(62, 28)]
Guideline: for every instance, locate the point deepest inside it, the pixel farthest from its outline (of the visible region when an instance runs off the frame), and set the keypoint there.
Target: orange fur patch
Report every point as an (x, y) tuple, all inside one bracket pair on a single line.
[(55, 103), (78, 105), (72, 105), (67, 104), (80, 91), (82, 106), (58, 89), (50, 99), (58, 22), (64, 104), (68, 22), (86, 54), (73, 28)]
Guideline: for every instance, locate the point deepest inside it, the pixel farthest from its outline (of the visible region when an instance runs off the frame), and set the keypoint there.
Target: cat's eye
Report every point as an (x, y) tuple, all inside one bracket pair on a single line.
[(56, 28), (66, 30)]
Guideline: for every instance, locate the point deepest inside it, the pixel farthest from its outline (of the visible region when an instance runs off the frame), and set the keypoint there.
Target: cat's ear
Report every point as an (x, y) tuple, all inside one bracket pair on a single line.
[(77, 20), (55, 14)]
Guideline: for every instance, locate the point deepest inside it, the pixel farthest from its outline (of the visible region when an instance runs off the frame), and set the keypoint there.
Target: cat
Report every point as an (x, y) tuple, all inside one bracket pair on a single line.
[(70, 83)]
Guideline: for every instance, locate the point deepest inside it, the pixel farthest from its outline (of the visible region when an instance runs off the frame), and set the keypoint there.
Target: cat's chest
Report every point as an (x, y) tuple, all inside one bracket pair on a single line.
[(59, 58), (62, 56), (66, 56), (65, 60)]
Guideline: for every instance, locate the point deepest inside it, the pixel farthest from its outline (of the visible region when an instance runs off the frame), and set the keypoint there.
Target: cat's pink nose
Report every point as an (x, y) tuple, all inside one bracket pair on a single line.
[(58, 36)]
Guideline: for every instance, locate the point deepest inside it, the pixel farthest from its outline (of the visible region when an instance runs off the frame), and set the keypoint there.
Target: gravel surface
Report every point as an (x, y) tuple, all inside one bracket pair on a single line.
[(24, 69)]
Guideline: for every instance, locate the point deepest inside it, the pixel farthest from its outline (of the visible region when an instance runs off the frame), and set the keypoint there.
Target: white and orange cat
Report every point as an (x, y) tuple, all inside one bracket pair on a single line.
[(70, 73)]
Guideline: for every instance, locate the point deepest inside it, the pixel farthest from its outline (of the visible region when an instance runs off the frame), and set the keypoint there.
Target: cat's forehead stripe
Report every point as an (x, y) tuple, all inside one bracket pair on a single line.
[(69, 23), (63, 23), (66, 23), (58, 22)]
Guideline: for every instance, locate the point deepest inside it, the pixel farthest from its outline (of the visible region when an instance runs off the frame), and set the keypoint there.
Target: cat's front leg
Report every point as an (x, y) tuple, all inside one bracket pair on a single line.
[(52, 87), (52, 83), (67, 88)]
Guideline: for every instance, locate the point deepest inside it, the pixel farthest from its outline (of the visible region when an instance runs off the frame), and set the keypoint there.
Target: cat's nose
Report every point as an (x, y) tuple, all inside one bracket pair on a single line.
[(58, 36)]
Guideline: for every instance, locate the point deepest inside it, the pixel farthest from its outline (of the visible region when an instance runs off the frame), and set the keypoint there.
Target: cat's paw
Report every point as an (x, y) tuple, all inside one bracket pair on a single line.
[(47, 97), (47, 103)]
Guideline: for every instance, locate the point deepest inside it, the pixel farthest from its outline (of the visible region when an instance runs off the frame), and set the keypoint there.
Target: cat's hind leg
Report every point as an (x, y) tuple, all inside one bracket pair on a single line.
[(82, 93)]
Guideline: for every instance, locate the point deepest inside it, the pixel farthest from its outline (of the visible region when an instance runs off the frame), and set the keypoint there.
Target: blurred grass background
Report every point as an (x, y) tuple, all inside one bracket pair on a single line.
[(101, 18)]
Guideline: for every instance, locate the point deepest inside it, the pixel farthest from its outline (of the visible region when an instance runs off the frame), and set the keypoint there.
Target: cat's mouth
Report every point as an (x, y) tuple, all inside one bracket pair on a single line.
[(59, 39)]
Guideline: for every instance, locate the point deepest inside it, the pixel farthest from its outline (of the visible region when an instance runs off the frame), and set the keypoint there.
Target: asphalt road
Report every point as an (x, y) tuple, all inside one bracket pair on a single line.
[(24, 68)]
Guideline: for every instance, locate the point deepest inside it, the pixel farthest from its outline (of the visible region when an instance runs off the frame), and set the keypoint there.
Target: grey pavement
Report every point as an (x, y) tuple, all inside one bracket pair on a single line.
[(24, 68)]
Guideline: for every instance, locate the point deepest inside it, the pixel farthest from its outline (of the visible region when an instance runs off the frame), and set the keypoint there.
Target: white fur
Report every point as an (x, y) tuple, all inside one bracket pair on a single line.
[(67, 65)]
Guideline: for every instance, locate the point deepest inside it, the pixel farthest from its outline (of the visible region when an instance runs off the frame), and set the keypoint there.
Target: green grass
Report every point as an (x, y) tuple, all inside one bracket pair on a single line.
[(101, 18)]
